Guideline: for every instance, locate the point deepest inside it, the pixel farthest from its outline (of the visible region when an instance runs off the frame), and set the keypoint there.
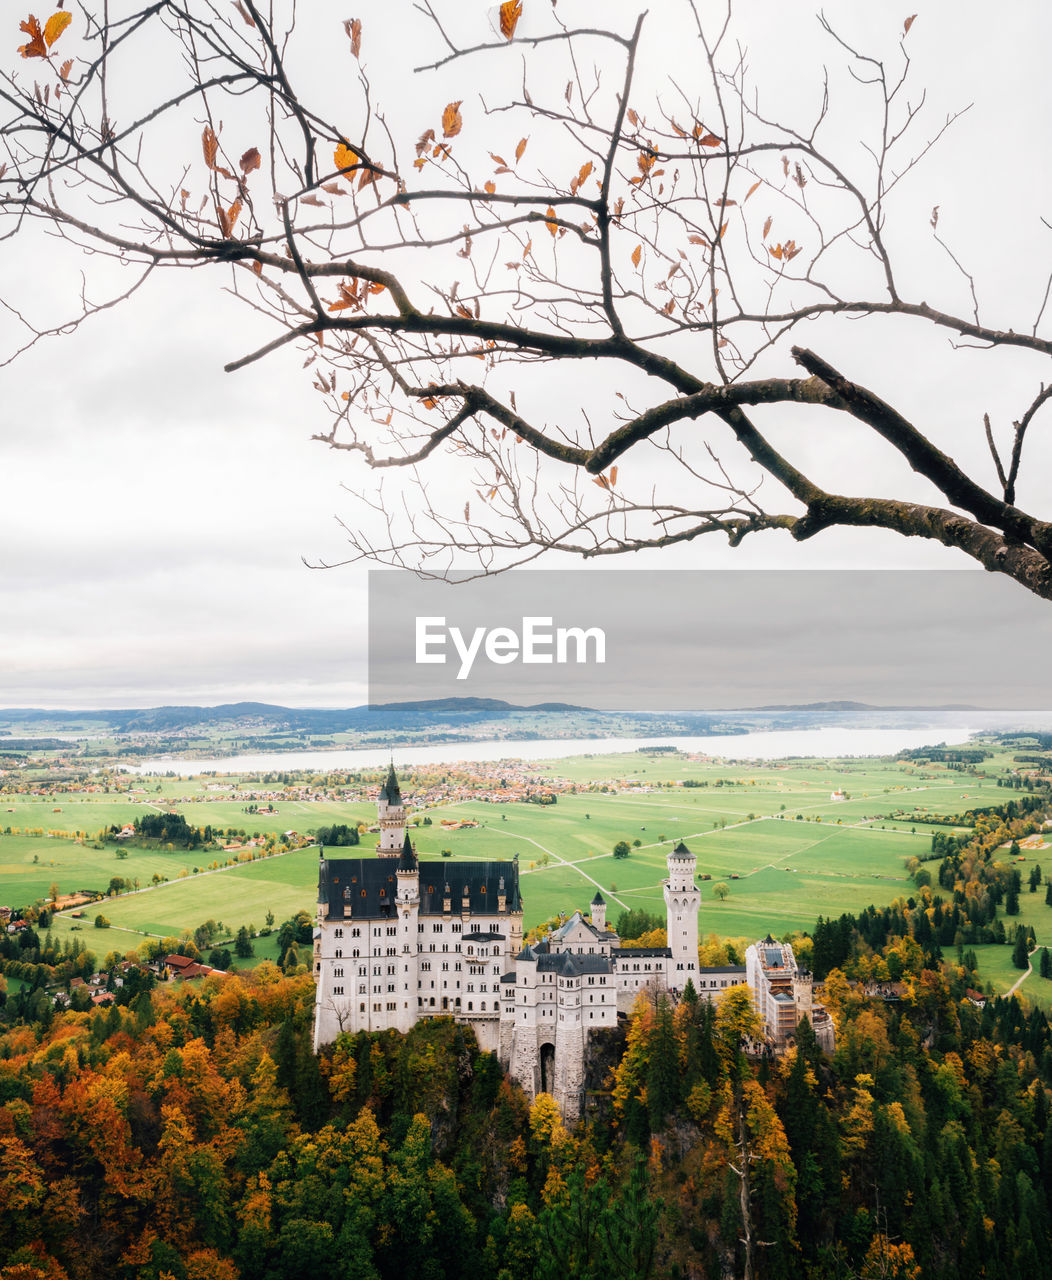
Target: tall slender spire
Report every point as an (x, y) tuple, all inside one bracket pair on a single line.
[(407, 858), (390, 790)]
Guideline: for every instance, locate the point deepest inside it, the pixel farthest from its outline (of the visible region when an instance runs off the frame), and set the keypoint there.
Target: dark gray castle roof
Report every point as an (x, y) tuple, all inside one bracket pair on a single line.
[(366, 888), (598, 900), (407, 858), (628, 953), (389, 791)]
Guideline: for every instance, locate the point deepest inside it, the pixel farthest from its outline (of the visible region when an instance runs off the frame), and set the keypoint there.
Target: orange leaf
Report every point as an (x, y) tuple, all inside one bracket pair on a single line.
[(424, 141), (257, 267), (757, 183), (666, 310), (710, 140), (210, 146), (636, 254), (907, 24), (520, 149), (452, 120), (36, 48), (613, 476), (767, 227), (353, 27), (228, 218), (344, 158), (697, 240), (55, 26), (490, 187), (510, 13), (550, 222), (65, 69), (250, 160)]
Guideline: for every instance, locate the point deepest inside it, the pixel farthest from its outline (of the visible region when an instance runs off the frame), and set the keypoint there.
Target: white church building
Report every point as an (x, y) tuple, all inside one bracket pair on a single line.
[(399, 940)]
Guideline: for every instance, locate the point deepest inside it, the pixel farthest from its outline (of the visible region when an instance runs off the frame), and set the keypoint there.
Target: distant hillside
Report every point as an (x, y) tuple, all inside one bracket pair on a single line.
[(386, 717)]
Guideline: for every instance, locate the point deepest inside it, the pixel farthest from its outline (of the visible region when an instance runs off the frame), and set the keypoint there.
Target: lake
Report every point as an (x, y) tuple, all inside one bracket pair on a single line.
[(770, 745)]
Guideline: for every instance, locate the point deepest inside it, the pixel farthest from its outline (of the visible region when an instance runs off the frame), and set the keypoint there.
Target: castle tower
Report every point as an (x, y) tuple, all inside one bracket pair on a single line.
[(803, 994), (320, 913), (407, 874), (599, 911), (391, 812), (682, 904)]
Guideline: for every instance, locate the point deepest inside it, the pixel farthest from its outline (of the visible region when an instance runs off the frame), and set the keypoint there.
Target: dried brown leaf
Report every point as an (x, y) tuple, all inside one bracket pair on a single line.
[(36, 47), (510, 13), (452, 120), (210, 146)]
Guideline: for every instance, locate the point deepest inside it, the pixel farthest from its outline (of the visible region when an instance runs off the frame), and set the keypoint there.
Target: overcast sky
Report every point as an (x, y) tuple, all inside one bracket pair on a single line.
[(156, 513)]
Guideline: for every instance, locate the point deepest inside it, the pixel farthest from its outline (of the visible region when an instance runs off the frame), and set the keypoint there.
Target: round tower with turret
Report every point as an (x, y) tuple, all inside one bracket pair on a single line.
[(407, 874), (391, 814), (682, 905), (599, 911)]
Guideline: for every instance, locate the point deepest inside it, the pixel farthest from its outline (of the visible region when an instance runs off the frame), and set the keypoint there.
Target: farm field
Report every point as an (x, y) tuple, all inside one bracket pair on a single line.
[(995, 967), (781, 871)]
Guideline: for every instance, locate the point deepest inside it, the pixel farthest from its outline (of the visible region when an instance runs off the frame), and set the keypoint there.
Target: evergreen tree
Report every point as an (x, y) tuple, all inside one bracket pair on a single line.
[(1019, 951), (662, 1070)]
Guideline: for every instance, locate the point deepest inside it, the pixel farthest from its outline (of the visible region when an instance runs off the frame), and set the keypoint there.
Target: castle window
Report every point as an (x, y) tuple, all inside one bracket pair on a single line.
[(339, 953), (346, 893), (339, 933), (361, 1008), (482, 888), (363, 893)]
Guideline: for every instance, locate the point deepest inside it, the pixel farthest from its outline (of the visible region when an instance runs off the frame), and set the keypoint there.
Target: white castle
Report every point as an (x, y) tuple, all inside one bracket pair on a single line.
[(399, 940)]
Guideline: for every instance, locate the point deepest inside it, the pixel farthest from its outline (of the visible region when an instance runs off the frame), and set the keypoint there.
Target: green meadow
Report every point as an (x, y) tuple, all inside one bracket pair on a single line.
[(772, 833)]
